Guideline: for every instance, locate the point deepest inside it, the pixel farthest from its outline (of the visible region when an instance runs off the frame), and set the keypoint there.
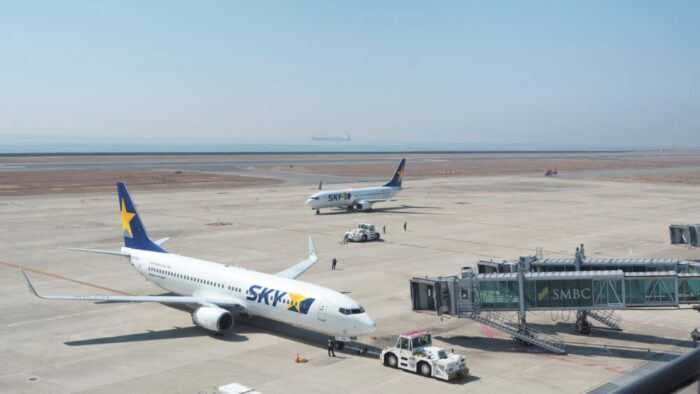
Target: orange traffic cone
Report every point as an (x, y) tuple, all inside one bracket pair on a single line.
[(299, 359)]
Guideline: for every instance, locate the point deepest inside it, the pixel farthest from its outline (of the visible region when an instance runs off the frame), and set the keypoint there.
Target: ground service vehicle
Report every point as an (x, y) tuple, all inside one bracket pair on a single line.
[(363, 232), (414, 351)]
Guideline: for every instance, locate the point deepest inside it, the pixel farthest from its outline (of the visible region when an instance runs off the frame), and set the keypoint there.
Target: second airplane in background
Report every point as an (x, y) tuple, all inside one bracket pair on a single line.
[(361, 199)]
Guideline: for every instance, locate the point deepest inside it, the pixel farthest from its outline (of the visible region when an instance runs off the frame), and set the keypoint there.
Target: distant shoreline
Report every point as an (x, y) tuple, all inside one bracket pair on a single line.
[(295, 153)]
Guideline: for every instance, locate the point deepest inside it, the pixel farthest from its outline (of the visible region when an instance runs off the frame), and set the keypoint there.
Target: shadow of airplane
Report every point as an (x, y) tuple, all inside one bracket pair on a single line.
[(173, 333), (243, 324), (342, 211)]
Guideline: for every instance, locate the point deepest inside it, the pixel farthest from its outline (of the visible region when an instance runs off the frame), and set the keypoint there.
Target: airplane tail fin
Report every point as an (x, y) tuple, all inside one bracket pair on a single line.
[(135, 235), (398, 175)]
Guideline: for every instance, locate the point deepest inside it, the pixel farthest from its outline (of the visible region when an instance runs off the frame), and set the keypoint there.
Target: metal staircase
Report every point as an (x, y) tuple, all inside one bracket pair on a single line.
[(609, 318), (524, 333)]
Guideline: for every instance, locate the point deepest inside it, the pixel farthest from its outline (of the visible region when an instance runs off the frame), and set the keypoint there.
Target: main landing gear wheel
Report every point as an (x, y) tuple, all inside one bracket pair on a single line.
[(318, 211)]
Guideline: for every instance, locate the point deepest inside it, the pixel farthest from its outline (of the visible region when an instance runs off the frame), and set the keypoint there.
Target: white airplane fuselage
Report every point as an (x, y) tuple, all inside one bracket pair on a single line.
[(351, 197), (273, 297)]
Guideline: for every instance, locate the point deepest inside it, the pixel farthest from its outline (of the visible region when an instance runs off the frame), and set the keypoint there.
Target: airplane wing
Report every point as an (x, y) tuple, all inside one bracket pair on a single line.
[(204, 301), (297, 269)]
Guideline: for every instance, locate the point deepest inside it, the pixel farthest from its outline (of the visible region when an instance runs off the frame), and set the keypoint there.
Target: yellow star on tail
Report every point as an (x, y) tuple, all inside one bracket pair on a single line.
[(126, 219)]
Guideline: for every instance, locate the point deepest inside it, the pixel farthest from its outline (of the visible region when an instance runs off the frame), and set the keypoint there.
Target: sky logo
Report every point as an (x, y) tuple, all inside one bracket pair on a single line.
[(269, 296)]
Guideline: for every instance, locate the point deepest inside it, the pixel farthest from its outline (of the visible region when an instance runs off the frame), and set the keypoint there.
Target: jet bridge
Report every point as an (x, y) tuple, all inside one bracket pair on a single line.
[(484, 297)]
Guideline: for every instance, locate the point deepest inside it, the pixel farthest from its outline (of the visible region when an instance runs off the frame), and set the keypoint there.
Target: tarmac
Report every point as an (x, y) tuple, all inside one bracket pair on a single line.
[(74, 347)]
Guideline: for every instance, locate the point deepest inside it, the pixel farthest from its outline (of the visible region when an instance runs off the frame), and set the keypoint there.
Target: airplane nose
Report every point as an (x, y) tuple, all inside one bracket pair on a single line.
[(368, 325), (309, 201)]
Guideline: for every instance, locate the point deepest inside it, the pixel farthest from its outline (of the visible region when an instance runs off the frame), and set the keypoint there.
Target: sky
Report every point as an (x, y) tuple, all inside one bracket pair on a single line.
[(491, 73)]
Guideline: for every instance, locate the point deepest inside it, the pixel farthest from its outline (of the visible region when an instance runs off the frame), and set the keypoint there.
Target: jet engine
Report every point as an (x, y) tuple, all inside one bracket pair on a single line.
[(213, 319), (363, 205)]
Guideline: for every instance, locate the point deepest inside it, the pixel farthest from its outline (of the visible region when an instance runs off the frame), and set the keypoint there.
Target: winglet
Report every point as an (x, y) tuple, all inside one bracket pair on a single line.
[(29, 283), (299, 268), (312, 248), (398, 175)]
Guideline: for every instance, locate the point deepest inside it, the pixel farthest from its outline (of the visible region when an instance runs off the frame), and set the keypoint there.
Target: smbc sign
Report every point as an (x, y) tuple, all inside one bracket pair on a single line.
[(559, 293)]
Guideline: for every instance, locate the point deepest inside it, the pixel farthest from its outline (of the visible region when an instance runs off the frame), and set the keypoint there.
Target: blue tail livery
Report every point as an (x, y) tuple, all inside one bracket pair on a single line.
[(398, 175), (135, 235)]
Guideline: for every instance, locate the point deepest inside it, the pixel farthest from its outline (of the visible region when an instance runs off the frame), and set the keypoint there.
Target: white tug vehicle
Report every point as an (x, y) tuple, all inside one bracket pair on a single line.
[(364, 232), (414, 351)]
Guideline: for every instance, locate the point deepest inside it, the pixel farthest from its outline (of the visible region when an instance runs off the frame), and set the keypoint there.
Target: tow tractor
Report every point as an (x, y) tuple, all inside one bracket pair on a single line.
[(414, 351), (364, 232)]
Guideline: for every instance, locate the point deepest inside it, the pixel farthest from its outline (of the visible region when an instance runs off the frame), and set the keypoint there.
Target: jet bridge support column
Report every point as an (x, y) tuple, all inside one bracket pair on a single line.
[(521, 296)]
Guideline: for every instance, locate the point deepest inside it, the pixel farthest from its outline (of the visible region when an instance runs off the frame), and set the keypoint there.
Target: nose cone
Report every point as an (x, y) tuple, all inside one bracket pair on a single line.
[(309, 201), (367, 325)]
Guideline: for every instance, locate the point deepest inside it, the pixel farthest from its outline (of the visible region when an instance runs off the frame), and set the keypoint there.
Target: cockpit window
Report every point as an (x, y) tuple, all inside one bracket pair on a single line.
[(314, 197), (351, 311)]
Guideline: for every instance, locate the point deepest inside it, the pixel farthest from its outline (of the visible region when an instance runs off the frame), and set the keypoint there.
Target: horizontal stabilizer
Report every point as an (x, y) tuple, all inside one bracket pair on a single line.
[(161, 241), (297, 269), (205, 301), (102, 251)]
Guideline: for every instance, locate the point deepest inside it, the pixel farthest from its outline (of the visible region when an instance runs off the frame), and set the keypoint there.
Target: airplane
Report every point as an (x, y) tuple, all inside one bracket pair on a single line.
[(214, 290), (360, 199)]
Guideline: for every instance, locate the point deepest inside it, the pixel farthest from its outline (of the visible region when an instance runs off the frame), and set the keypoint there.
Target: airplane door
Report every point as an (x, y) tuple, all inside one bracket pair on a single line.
[(322, 310)]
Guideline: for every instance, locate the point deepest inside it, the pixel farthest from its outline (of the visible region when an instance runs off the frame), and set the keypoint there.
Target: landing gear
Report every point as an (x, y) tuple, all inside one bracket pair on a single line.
[(318, 212), (583, 326)]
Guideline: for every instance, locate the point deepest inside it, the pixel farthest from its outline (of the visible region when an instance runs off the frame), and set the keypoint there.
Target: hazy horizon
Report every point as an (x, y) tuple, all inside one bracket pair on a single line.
[(498, 75)]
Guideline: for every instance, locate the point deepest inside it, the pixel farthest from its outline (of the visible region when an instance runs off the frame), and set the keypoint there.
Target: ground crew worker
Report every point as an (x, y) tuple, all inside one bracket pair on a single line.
[(333, 263), (384, 229), (405, 224), (583, 253), (696, 337), (331, 345)]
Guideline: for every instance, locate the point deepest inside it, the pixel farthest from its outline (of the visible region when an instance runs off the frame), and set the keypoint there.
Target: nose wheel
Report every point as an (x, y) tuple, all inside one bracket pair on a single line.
[(318, 211)]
